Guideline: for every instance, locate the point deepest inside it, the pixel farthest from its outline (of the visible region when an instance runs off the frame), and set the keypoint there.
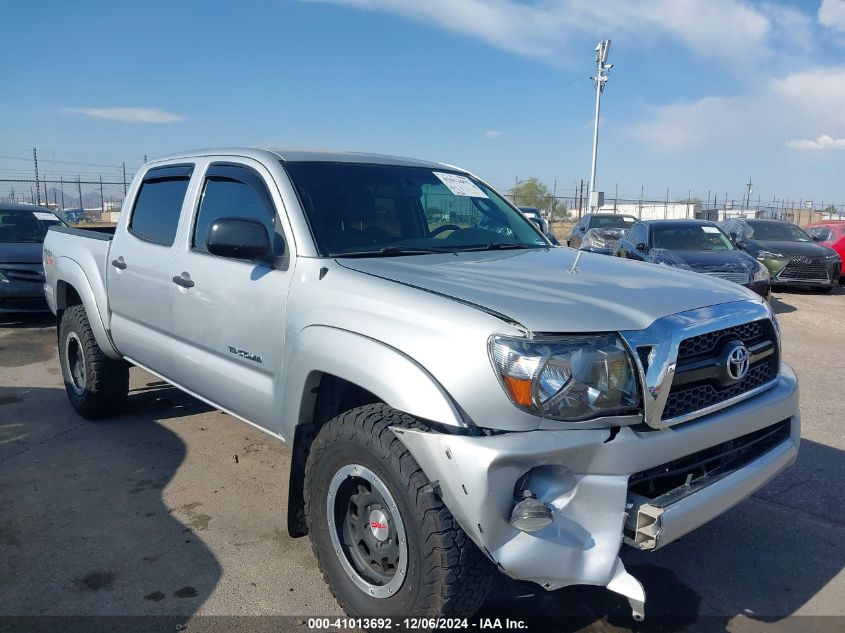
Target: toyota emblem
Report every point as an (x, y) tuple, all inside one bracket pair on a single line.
[(737, 363)]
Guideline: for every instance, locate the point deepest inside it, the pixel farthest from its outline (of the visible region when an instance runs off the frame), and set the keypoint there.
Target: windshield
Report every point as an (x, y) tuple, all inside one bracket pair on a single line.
[(25, 226), (694, 237), (359, 209), (612, 222), (778, 232)]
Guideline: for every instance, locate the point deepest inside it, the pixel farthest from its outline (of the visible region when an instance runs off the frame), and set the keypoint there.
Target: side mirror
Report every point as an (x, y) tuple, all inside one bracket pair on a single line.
[(642, 247), (734, 235), (815, 238), (238, 239), (583, 229)]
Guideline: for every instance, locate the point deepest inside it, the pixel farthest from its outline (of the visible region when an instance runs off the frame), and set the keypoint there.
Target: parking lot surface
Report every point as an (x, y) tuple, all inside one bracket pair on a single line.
[(174, 508)]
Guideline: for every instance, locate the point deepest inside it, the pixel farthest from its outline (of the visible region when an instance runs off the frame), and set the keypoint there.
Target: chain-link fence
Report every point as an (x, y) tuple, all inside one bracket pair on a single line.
[(99, 200), (83, 200)]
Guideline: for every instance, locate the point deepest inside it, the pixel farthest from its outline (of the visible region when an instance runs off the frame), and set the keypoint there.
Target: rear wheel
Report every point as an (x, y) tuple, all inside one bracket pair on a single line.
[(96, 385), (385, 542)]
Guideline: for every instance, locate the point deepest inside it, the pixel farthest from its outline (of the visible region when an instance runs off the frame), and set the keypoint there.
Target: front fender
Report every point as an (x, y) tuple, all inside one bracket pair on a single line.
[(70, 273), (392, 376)]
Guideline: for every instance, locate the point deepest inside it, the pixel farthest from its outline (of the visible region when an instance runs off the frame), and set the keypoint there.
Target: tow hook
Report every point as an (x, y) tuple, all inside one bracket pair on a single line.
[(626, 585)]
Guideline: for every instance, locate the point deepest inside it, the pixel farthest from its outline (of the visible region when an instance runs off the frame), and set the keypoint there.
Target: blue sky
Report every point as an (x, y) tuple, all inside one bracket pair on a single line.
[(704, 93)]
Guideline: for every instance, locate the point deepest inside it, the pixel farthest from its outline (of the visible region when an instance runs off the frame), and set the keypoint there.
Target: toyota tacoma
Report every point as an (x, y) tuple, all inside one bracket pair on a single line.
[(450, 412)]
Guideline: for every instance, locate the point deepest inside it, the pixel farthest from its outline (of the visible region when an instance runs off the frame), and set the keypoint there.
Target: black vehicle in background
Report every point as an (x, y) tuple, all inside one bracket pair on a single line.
[(22, 231), (695, 245), (792, 257), (598, 232)]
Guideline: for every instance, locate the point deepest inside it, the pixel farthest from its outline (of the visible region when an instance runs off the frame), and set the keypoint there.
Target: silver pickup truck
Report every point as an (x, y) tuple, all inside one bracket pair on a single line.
[(451, 411)]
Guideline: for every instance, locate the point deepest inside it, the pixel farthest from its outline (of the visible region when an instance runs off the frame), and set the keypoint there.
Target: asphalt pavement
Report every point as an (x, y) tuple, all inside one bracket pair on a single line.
[(176, 509)]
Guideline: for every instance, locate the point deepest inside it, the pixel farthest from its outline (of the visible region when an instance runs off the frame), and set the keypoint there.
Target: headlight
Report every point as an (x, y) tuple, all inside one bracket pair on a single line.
[(761, 274), (594, 241), (769, 255), (833, 257), (573, 378), (3, 278)]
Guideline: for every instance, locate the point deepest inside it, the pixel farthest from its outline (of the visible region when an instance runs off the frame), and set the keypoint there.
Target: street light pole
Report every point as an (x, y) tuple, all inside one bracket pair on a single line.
[(602, 72)]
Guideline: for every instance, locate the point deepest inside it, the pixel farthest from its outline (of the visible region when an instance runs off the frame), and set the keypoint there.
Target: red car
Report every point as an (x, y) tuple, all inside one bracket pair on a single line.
[(830, 233)]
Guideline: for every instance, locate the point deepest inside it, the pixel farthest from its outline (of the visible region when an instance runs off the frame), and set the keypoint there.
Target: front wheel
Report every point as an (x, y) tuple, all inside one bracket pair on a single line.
[(385, 542), (96, 385)]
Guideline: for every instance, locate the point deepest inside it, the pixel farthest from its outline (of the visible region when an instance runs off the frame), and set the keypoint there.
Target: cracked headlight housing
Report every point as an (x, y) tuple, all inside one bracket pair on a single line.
[(567, 378), (761, 274)]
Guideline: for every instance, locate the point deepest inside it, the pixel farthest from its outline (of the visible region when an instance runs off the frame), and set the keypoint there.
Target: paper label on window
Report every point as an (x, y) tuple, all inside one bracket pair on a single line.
[(460, 185), (710, 229), (44, 216)]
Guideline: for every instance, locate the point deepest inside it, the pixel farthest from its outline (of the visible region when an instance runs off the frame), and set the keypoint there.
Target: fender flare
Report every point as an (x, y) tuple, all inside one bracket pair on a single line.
[(72, 274), (385, 371)]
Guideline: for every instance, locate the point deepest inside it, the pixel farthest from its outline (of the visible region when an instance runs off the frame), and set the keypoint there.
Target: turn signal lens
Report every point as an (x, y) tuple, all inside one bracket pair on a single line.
[(519, 390)]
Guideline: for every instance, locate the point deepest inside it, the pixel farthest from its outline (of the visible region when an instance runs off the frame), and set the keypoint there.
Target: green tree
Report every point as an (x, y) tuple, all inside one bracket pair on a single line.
[(533, 193)]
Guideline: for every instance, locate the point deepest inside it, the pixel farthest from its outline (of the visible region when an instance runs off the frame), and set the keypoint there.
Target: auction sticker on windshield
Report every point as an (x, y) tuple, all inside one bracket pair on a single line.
[(460, 185), (43, 216), (710, 229)]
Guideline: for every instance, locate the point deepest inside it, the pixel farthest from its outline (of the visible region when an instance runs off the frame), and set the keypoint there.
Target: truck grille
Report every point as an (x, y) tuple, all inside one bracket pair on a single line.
[(803, 268), (710, 462), (700, 379), (737, 278), (690, 399), (748, 333)]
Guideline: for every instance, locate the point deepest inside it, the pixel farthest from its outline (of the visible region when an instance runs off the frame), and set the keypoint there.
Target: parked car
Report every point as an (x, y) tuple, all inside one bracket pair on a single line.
[(458, 399), (533, 214), (598, 232), (792, 257), (830, 233), (22, 231), (695, 245)]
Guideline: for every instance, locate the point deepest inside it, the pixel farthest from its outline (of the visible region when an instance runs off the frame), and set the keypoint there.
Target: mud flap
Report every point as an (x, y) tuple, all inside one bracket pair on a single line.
[(626, 585)]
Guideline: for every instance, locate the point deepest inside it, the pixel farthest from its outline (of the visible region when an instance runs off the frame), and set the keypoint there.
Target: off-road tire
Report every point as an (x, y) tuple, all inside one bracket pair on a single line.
[(447, 575), (106, 380)]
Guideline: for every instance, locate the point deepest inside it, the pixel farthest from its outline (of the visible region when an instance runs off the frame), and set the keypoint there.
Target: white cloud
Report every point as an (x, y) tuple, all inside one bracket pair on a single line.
[(795, 106), (832, 14), (727, 29), (823, 142), (492, 134), (128, 115)]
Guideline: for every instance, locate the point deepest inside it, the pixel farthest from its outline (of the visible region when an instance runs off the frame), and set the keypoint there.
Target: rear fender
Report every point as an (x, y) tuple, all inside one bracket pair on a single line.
[(70, 274)]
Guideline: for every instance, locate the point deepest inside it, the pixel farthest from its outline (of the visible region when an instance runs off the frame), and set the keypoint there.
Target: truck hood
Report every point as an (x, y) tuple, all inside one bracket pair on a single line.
[(537, 288), (20, 252)]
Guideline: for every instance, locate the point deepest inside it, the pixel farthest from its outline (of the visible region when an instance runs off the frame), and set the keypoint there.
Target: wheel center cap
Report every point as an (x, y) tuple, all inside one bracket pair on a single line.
[(379, 525)]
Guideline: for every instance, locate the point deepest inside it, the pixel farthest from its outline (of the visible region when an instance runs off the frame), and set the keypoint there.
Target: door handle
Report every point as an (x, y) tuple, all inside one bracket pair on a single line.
[(119, 263), (179, 280)]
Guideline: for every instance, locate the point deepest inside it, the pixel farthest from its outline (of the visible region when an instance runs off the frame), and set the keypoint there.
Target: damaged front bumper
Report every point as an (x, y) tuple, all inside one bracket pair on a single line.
[(585, 478)]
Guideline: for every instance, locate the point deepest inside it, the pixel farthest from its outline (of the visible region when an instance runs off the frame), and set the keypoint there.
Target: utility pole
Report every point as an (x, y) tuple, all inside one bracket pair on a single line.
[(62, 181), (554, 200), (35, 160), (79, 190), (124, 178), (748, 195), (602, 75), (102, 199)]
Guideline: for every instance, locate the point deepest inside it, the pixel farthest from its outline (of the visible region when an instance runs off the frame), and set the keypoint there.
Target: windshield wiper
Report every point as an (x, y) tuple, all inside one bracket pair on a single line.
[(497, 246), (390, 251)]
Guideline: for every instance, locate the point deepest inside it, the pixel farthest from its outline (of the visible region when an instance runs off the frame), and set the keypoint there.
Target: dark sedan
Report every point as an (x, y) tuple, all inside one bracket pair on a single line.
[(22, 231), (792, 257), (695, 245)]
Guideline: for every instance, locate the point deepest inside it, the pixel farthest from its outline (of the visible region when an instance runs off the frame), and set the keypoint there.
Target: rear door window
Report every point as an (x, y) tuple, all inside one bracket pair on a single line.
[(155, 216)]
